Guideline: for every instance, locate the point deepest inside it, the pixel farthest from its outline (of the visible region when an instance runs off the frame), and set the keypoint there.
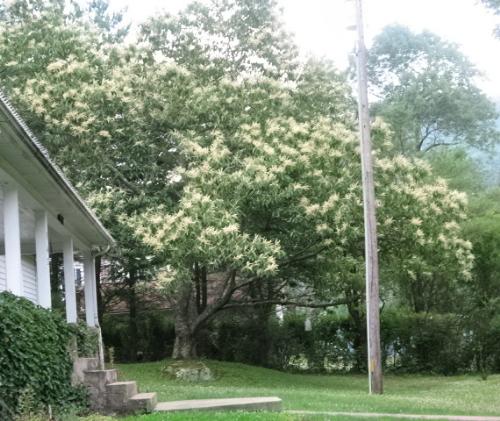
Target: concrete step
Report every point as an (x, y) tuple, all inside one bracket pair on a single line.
[(80, 366), (96, 381), (143, 402), (88, 363), (245, 404), (92, 377), (118, 395)]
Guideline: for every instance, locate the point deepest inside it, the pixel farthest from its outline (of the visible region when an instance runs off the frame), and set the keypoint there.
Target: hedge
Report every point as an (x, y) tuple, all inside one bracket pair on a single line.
[(33, 356), (154, 340), (411, 342)]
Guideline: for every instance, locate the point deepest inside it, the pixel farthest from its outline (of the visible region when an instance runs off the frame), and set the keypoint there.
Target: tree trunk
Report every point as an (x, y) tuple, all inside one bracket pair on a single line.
[(359, 331), (185, 315), (260, 316), (192, 312), (132, 319), (185, 342)]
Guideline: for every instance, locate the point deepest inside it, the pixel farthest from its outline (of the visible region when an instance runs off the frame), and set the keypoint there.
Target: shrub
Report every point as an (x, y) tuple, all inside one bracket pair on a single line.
[(154, 341), (33, 356), (238, 338), (327, 347), (411, 342), (282, 345), (424, 342), (87, 339)]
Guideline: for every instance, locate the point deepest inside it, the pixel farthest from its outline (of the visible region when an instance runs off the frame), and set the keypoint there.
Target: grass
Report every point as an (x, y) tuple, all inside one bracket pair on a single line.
[(415, 394), (240, 416)]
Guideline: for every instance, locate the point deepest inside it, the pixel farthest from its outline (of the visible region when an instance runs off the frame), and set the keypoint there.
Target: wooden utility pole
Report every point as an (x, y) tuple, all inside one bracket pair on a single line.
[(371, 252)]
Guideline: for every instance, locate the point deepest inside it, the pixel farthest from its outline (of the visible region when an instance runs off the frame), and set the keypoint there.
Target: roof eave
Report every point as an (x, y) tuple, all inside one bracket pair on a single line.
[(39, 151)]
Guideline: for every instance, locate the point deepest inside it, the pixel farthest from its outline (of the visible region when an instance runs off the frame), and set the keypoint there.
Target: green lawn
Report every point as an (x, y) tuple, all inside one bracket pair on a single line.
[(241, 416), (228, 416), (457, 395)]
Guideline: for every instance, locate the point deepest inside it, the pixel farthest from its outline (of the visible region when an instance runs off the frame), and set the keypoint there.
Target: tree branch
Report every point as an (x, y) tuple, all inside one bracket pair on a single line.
[(209, 311), (440, 144), (244, 284), (301, 258), (428, 132), (204, 288), (285, 303), (123, 179)]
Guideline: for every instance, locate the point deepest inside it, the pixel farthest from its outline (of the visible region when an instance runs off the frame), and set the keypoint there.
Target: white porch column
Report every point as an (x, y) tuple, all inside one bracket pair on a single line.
[(69, 281), (12, 240), (94, 294), (42, 259), (88, 269)]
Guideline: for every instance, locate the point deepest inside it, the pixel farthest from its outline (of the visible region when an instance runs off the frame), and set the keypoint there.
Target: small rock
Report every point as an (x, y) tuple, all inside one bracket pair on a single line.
[(190, 371)]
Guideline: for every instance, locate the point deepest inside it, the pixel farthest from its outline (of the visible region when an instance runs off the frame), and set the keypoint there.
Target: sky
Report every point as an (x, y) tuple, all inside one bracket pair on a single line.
[(321, 26)]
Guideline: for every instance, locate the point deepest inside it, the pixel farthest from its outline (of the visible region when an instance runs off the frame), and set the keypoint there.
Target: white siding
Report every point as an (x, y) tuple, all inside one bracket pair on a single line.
[(3, 276), (29, 279)]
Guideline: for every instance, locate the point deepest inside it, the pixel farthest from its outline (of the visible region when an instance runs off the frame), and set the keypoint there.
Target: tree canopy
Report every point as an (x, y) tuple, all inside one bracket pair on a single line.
[(221, 162), (427, 92), (225, 38), (257, 205), (494, 5)]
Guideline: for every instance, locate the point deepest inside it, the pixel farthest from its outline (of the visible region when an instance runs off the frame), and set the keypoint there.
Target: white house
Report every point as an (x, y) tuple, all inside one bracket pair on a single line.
[(41, 213)]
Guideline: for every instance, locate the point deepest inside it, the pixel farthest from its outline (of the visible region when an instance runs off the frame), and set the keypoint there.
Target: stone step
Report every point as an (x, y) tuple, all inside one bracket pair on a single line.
[(96, 381), (80, 366), (88, 363), (93, 377), (143, 402), (118, 395), (245, 404)]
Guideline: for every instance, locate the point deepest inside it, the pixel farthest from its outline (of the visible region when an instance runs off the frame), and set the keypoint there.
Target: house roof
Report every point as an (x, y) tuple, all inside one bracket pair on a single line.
[(30, 160)]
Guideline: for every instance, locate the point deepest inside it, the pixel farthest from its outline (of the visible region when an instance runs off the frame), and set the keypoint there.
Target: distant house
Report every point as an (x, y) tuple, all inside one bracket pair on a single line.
[(41, 213)]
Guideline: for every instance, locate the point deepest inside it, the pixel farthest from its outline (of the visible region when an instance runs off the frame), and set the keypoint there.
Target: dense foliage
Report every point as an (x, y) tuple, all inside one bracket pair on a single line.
[(34, 345), (411, 343), (86, 339), (225, 39), (482, 305), (154, 340), (494, 5), (257, 207), (428, 93), (228, 169)]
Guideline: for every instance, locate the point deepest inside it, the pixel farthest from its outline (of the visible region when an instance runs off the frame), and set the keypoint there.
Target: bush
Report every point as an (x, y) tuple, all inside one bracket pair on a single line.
[(240, 338), (33, 356), (154, 341), (411, 342), (424, 342), (283, 345), (87, 339), (327, 347)]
